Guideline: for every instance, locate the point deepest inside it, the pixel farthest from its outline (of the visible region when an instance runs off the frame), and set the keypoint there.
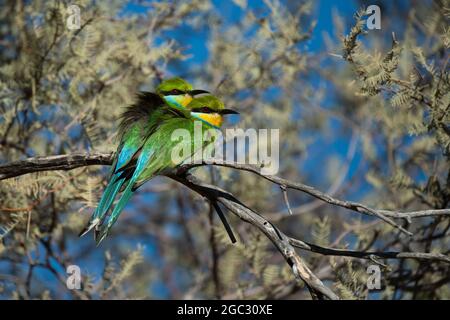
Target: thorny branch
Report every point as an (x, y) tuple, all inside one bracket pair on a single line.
[(282, 242)]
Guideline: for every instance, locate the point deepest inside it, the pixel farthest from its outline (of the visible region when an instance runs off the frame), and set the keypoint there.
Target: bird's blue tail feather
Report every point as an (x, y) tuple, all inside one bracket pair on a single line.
[(105, 203)]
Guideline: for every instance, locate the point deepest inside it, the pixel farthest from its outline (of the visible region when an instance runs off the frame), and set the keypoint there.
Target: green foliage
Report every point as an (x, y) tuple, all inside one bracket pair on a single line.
[(321, 231), (351, 283)]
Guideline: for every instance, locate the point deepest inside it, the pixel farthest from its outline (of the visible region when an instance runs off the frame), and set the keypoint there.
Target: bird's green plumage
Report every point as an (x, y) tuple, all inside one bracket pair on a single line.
[(145, 148), (208, 101), (174, 84)]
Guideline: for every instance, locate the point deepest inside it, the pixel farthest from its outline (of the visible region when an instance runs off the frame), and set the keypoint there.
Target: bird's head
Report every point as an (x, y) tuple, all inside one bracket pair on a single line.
[(177, 92), (209, 109)]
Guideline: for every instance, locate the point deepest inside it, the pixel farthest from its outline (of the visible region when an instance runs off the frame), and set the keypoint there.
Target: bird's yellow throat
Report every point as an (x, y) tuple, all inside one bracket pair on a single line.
[(180, 101), (213, 119)]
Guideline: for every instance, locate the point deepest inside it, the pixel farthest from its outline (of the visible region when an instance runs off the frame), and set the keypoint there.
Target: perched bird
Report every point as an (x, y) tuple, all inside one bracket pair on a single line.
[(145, 148)]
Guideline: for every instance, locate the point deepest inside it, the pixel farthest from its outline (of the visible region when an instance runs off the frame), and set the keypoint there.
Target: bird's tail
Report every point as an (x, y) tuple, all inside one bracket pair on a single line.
[(105, 203), (103, 229), (122, 179)]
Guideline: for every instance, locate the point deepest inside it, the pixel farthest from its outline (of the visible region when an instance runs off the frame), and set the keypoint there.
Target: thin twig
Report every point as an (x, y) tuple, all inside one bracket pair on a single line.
[(369, 254), (286, 199)]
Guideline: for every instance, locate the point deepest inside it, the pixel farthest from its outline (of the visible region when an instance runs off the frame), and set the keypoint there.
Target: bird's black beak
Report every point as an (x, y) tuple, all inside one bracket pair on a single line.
[(196, 92), (228, 111)]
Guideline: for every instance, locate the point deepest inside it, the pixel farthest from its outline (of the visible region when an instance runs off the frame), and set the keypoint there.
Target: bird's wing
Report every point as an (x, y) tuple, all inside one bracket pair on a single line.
[(127, 178), (154, 157), (170, 150), (143, 155)]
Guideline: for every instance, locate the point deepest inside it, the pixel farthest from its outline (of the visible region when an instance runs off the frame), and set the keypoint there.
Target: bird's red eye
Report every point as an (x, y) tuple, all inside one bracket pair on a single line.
[(175, 91), (205, 110)]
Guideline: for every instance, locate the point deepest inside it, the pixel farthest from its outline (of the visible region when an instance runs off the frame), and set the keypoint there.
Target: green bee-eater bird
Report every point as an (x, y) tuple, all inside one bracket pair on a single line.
[(145, 148)]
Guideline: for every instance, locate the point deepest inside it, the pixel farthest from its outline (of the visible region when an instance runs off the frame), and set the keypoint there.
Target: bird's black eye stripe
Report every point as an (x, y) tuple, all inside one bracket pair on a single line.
[(203, 110), (172, 92)]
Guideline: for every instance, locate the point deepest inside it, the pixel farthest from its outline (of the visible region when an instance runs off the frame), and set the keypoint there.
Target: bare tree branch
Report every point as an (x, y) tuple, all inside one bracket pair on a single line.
[(59, 162), (416, 214), (369, 254), (280, 240), (75, 160), (283, 243), (351, 205)]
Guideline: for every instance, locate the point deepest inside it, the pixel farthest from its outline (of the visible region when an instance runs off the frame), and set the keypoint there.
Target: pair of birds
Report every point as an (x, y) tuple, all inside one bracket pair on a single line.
[(146, 146)]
